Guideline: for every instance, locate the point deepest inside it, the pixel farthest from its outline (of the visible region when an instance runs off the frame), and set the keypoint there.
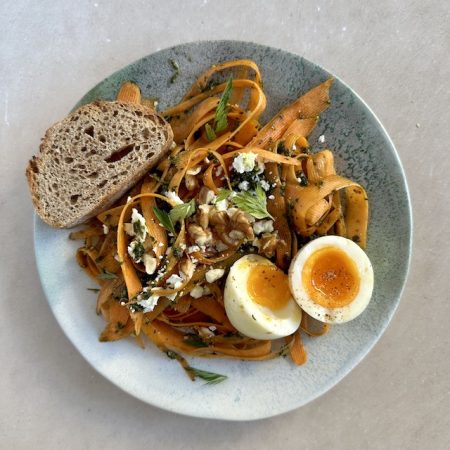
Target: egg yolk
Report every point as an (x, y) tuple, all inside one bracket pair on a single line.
[(268, 286), (331, 278)]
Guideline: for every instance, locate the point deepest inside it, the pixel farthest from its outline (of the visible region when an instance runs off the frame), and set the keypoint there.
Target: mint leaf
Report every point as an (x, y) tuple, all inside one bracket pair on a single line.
[(164, 219), (181, 212)]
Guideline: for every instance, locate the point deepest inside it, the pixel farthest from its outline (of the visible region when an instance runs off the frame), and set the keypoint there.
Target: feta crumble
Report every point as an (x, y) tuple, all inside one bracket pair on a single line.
[(244, 162), (174, 281), (263, 226), (139, 225), (321, 139), (214, 274), (265, 185), (171, 195), (244, 185), (105, 229), (197, 291)]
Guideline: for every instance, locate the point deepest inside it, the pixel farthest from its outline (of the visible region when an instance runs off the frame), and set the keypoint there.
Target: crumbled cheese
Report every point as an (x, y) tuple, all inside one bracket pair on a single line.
[(231, 211), (205, 208), (261, 165), (193, 248), (161, 244), (210, 197), (174, 144), (129, 199), (263, 226), (174, 281), (147, 300), (149, 263), (194, 170), (219, 171), (321, 139), (244, 162), (116, 257), (265, 185), (220, 246), (222, 205), (172, 195), (135, 250), (139, 225), (244, 185), (212, 328), (196, 291), (214, 274), (271, 197), (105, 229)]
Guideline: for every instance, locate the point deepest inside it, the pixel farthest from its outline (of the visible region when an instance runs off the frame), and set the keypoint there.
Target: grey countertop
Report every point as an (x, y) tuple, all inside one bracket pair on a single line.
[(394, 54)]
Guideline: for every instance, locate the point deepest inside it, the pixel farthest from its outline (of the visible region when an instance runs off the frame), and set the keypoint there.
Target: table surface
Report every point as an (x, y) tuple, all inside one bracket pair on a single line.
[(394, 54)]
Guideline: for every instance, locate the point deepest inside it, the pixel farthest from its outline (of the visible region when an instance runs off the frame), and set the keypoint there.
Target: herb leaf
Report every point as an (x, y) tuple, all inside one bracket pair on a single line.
[(209, 377), (164, 219), (220, 118), (223, 194), (176, 69), (254, 203), (210, 133), (195, 341), (106, 275), (181, 212)]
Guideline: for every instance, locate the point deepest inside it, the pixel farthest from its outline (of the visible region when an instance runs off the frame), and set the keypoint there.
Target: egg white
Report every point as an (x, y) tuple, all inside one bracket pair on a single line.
[(250, 318), (364, 267)]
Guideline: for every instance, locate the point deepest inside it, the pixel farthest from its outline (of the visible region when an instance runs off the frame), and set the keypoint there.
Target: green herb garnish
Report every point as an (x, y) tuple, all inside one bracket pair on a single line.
[(223, 194), (195, 341), (106, 275), (220, 118), (209, 377), (210, 133), (176, 69), (221, 114), (254, 203), (164, 219), (183, 211)]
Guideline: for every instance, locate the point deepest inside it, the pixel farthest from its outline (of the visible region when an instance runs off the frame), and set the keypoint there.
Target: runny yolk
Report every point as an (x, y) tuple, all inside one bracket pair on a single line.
[(331, 278), (268, 286)]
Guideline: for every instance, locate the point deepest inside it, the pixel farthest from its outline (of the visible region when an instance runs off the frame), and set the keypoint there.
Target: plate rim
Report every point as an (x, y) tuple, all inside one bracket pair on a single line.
[(388, 317)]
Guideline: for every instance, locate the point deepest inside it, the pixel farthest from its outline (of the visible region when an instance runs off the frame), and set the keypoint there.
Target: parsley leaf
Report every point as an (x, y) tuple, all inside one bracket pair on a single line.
[(164, 219), (209, 377), (254, 203), (220, 118), (106, 275), (223, 194), (181, 212), (210, 133)]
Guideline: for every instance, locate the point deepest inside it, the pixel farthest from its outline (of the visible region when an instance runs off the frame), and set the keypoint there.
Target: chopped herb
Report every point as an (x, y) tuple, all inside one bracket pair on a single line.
[(139, 228), (171, 354), (195, 341), (176, 69), (211, 84), (303, 180), (284, 350), (181, 212), (120, 326), (223, 194), (220, 118), (210, 133), (105, 275), (137, 250), (319, 183), (254, 203), (177, 252), (93, 289), (282, 150), (164, 219), (213, 157), (253, 317), (209, 377)]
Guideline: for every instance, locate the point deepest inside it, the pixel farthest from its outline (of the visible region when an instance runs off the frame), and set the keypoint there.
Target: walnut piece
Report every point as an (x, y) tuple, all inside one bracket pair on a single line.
[(267, 244), (200, 236)]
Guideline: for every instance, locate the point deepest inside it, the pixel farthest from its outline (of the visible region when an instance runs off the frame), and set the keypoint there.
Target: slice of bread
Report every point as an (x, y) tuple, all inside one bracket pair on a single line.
[(92, 157)]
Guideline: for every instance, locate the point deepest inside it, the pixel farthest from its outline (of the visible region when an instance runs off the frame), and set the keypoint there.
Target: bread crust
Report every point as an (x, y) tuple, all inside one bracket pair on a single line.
[(41, 168)]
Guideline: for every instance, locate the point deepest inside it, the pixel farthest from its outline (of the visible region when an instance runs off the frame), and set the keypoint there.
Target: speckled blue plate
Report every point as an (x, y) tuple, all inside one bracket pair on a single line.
[(254, 390)]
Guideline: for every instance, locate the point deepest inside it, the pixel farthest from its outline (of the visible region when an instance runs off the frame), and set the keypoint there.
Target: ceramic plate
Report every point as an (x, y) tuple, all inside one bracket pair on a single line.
[(254, 390)]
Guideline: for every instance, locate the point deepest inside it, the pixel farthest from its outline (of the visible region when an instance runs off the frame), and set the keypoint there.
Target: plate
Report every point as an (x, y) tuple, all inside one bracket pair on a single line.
[(254, 390)]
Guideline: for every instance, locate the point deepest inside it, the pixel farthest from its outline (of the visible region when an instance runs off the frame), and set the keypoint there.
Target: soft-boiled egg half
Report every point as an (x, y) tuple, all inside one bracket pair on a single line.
[(258, 300), (331, 278)]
